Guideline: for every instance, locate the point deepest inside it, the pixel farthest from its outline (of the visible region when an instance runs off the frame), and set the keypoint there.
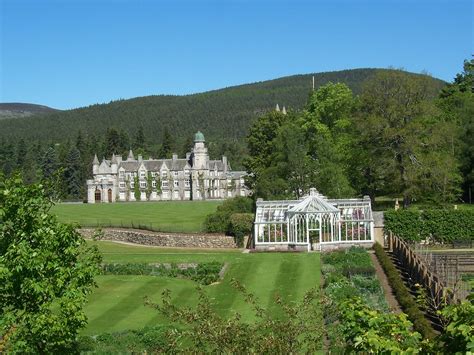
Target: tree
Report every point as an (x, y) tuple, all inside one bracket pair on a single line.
[(457, 103), (400, 128), (260, 142), (139, 141), (46, 272), (73, 174), (167, 145), (49, 163)]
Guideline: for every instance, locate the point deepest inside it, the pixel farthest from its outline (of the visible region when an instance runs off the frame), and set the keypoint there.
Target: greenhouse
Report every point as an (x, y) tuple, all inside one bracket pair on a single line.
[(313, 222)]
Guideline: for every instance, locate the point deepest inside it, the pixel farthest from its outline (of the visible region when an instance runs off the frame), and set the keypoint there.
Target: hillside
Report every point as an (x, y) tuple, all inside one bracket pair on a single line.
[(220, 114), (16, 110)]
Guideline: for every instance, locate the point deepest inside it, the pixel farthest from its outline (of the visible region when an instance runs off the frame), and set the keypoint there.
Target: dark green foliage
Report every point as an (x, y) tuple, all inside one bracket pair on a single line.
[(203, 273), (458, 336), (405, 299), (240, 226), (146, 340), (370, 331), (73, 175), (219, 221), (438, 225), (46, 273), (166, 149), (136, 188)]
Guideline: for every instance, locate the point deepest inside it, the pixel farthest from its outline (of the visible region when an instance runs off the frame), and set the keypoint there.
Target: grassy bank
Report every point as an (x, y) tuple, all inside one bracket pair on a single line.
[(169, 216)]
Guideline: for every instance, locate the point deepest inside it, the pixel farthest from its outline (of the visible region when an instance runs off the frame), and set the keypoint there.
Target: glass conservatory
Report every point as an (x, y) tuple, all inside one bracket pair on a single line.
[(312, 222)]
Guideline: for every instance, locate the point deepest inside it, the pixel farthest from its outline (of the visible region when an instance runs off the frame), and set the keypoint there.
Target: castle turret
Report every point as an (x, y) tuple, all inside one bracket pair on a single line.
[(114, 164), (130, 155), (95, 165), (200, 156)]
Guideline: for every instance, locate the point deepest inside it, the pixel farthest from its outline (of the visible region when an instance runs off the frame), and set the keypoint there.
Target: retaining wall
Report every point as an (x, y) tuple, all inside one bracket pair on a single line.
[(177, 240)]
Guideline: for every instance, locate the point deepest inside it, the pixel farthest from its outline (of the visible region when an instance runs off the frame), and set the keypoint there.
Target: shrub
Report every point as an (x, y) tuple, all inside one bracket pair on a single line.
[(219, 221), (203, 273), (241, 225)]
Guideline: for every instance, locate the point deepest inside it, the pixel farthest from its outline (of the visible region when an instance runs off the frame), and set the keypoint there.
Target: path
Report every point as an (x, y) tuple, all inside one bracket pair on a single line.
[(387, 290)]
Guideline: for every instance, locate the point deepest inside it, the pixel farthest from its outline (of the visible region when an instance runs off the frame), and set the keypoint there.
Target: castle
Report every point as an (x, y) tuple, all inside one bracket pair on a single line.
[(192, 178)]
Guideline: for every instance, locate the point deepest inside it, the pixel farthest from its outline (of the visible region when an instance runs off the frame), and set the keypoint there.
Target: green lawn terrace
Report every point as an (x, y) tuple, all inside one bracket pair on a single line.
[(118, 303), (166, 216)]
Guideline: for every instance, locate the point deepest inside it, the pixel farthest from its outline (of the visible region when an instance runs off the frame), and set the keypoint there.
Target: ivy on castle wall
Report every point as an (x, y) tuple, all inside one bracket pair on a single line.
[(440, 226)]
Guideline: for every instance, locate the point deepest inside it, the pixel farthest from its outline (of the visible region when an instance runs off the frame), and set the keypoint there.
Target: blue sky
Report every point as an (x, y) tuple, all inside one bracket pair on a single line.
[(74, 53)]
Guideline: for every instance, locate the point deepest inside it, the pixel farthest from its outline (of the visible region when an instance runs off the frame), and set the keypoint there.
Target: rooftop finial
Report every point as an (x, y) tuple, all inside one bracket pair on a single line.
[(130, 155), (277, 108), (284, 110)]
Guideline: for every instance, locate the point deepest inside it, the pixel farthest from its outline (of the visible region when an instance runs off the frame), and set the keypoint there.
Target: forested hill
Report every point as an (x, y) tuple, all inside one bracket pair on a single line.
[(220, 114), (16, 109)]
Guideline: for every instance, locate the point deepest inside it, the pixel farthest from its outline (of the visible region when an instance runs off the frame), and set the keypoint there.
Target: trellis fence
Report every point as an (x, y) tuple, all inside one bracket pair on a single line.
[(420, 273), (455, 269)]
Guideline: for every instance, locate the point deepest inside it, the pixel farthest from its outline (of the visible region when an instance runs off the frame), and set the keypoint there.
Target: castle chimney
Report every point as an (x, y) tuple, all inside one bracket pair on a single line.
[(175, 156)]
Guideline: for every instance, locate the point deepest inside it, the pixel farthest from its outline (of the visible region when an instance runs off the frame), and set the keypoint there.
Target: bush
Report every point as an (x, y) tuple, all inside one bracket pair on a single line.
[(403, 295), (441, 225), (203, 273), (219, 221), (241, 225)]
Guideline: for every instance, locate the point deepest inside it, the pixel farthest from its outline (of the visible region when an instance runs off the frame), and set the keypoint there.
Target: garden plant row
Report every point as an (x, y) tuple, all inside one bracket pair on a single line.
[(357, 317)]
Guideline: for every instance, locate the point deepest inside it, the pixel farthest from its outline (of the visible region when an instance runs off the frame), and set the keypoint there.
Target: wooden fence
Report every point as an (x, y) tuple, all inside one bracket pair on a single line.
[(420, 273)]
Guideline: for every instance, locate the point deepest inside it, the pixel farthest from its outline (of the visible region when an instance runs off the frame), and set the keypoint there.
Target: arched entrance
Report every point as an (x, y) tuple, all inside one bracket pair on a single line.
[(109, 195), (98, 195)]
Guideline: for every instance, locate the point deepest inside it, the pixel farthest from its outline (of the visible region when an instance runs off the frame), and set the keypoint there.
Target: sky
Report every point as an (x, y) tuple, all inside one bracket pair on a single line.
[(72, 53)]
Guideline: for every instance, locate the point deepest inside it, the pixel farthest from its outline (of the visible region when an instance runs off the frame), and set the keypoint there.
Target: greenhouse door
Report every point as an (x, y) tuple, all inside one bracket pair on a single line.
[(314, 231)]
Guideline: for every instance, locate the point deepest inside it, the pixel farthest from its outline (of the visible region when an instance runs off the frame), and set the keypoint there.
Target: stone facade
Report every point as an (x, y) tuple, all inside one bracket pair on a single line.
[(176, 240), (195, 177)]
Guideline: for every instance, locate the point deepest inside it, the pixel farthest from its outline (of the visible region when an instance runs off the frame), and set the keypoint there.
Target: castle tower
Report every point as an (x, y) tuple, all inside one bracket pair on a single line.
[(200, 156)]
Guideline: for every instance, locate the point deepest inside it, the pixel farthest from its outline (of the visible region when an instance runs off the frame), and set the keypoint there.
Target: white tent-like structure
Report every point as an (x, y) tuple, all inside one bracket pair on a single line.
[(313, 222)]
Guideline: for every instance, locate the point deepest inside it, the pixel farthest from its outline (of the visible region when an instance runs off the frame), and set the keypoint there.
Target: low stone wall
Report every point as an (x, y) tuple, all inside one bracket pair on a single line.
[(177, 240)]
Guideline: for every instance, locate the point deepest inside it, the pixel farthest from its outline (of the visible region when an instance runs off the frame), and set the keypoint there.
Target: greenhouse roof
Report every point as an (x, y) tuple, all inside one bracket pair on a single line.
[(313, 203)]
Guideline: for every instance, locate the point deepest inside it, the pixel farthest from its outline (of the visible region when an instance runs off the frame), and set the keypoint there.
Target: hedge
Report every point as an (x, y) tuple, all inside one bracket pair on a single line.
[(403, 295), (439, 225)]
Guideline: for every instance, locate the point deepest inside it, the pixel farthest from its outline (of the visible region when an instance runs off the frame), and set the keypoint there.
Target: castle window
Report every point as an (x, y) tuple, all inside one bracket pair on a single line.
[(187, 183), (153, 174), (122, 185), (142, 184), (186, 173), (176, 183), (121, 174), (142, 174), (164, 183), (153, 183), (132, 184), (175, 173), (164, 174)]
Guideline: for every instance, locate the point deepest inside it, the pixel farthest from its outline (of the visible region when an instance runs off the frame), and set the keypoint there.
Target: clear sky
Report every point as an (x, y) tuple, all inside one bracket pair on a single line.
[(74, 53)]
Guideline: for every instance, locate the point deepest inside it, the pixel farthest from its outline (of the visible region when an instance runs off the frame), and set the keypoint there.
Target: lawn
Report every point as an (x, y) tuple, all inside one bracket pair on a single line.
[(166, 216), (117, 303)]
